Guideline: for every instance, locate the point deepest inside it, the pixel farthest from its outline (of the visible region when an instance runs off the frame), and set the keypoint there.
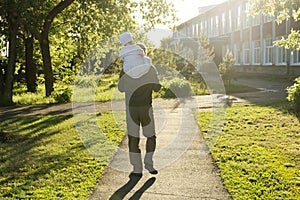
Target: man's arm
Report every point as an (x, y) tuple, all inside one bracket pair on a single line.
[(156, 87), (156, 83)]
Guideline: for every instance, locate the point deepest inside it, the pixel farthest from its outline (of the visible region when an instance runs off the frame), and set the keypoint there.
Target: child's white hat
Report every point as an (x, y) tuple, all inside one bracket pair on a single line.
[(125, 38)]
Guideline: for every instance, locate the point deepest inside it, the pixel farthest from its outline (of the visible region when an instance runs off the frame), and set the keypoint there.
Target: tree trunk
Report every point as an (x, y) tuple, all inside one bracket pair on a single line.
[(49, 79), (6, 96), (44, 44), (30, 66), (3, 67)]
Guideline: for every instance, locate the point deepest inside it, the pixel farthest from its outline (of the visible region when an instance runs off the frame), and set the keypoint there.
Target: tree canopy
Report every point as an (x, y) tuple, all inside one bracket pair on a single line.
[(283, 10), (54, 35)]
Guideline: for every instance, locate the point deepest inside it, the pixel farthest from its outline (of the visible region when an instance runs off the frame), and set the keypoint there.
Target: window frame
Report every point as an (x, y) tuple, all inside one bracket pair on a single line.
[(256, 55), (268, 51)]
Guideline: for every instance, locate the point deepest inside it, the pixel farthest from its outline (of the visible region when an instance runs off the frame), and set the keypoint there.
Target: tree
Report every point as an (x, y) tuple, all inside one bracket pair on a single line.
[(205, 50), (11, 18), (154, 12), (226, 68), (186, 56), (25, 53), (86, 24), (106, 20), (203, 57), (30, 66), (34, 22), (43, 38), (89, 22), (294, 94), (68, 37), (283, 10)]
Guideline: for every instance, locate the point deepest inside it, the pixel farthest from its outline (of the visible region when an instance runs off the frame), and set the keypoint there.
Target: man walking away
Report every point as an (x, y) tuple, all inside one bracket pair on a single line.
[(138, 88)]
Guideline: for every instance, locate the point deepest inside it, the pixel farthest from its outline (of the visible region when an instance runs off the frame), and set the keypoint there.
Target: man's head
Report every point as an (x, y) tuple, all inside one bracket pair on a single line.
[(143, 46), (126, 38)]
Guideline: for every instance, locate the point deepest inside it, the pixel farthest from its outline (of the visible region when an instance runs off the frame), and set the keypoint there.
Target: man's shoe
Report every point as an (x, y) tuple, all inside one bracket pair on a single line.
[(151, 169)]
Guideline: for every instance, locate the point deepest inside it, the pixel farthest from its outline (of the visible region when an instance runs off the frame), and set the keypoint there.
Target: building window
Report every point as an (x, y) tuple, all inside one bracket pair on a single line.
[(256, 20), (179, 34), (200, 26), (204, 26), (229, 21), (295, 57), (246, 15), (256, 52), (238, 17), (190, 31), (223, 23), (280, 55), (211, 26), (267, 18), (237, 54), (268, 53), (216, 29), (195, 30), (246, 53), (225, 49)]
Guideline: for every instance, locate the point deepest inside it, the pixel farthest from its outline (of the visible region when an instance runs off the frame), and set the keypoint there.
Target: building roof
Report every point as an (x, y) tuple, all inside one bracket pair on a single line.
[(201, 10), (204, 9)]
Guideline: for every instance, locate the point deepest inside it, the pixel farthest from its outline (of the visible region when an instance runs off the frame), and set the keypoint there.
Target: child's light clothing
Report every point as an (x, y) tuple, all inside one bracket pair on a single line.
[(136, 64)]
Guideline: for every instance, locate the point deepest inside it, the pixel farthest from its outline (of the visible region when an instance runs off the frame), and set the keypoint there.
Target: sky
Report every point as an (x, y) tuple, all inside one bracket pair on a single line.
[(186, 9)]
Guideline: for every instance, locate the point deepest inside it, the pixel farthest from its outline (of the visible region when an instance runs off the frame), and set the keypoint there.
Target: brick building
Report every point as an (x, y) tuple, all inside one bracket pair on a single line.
[(249, 38)]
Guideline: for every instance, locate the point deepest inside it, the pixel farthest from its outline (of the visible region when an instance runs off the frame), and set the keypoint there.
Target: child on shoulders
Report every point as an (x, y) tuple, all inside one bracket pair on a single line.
[(136, 63)]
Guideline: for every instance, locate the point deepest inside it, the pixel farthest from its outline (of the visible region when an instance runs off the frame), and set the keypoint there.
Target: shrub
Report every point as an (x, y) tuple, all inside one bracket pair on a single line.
[(294, 93), (63, 96), (226, 68), (176, 88)]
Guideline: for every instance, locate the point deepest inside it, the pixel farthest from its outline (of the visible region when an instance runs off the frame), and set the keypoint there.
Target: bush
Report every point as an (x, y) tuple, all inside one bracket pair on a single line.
[(294, 93), (226, 68), (176, 88), (63, 96)]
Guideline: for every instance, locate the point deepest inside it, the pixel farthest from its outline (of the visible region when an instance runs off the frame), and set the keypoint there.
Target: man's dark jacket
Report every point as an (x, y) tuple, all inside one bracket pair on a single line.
[(138, 92)]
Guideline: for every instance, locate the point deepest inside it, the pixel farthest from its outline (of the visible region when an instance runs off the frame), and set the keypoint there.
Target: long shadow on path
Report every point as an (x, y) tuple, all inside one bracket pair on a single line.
[(125, 189)]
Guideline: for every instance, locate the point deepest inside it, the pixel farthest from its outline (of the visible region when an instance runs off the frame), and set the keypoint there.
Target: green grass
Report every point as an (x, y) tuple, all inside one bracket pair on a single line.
[(42, 157), (258, 151), (103, 90), (236, 88), (21, 96), (199, 88)]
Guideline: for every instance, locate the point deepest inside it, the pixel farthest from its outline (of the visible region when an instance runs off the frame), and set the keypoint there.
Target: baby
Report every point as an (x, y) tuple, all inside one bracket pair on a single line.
[(136, 63)]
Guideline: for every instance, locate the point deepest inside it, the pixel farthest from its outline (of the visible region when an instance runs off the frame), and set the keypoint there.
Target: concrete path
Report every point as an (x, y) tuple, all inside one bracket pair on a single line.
[(268, 91), (186, 169), (191, 173)]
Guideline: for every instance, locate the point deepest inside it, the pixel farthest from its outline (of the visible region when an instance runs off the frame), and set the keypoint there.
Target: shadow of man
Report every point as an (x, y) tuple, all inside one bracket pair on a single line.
[(125, 189)]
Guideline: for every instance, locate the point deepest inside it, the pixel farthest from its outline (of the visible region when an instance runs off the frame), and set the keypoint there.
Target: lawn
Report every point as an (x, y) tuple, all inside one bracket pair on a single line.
[(258, 151), (42, 157), (99, 89)]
